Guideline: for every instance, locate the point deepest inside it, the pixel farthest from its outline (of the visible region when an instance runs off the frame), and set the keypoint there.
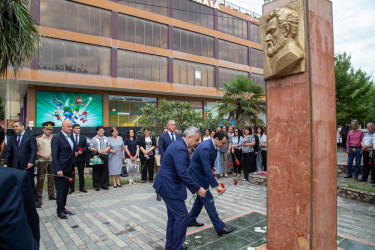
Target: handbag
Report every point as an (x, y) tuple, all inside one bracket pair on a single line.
[(124, 172), (94, 160), (133, 169)]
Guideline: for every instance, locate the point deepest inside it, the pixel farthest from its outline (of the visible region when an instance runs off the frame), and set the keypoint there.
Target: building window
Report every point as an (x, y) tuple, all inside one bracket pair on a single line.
[(233, 52), (185, 72), (60, 55), (232, 25), (194, 13), (258, 79), (227, 75), (126, 110), (254, 33), (193, 43), (256, 58), (155, 6), (66, 15), (137, 30), (141, 66)]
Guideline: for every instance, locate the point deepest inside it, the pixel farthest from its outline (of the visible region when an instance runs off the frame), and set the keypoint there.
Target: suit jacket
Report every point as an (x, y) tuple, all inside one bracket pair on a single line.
[(18, 157), (173, 177), (201, 165), (142, 143), (82, 143), (164, 141), (18, 216), (63, 157)]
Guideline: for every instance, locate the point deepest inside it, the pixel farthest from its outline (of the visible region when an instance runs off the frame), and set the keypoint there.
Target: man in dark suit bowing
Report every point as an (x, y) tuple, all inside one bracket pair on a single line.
[(18, 216), (21, 153), (64, 165), (165, 139), (81, 150), (171, 183), (202, 171)]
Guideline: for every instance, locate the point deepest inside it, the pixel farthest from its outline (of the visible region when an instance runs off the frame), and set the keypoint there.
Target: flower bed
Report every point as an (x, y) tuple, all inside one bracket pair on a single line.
[(258, 179), (355, 194)]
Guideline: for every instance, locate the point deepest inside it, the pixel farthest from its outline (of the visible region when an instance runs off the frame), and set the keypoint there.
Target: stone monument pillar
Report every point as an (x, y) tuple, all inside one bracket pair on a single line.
[(297, 40)]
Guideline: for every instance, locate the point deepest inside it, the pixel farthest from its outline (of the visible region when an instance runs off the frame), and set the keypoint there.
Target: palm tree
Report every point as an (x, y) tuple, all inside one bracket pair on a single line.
[(19, 35), (242, 101)]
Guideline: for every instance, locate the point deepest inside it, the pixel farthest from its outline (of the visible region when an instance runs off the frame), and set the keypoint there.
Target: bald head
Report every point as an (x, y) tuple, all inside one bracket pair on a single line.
[(66, 126)]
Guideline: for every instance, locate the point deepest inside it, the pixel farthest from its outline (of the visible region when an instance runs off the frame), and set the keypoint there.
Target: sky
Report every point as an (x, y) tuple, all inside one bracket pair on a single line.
[(353, 27)]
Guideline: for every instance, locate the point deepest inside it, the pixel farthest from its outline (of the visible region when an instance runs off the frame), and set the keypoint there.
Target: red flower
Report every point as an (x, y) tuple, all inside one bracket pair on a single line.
[(237, 162), (369, 163), (219, 191), (70, 179), (235, 182), (244, 143), (79, 148), (109, 150), (222, 185), (349, 153), (148, 153), (122, 149), (130, 155), (229, 164)]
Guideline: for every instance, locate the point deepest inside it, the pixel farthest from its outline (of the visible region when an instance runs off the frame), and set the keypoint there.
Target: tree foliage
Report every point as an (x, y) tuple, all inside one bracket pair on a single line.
[(355, 92), (19, 35), (181, 112), (242, 101)]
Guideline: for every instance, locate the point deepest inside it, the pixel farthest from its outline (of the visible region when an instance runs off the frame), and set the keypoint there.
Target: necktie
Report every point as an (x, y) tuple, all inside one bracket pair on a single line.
[(77, 140), (18, 140), (172, 137)]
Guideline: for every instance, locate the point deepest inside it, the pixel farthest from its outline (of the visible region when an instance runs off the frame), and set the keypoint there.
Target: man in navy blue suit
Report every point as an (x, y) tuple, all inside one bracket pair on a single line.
[(21, 153), (165, 139), (64, 164), (171, 183), (202, 171), (18, 216)]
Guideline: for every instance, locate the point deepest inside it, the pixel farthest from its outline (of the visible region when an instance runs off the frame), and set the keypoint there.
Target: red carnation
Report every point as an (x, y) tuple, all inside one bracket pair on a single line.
[(349, 153), (148, 153), (244, 143), (79, 148), (70, 179), (109, 150), (219, 191), (222, 185), (369, 163), (237, 162), (229, 164), (235, 182), (130, 155), (122, 149)]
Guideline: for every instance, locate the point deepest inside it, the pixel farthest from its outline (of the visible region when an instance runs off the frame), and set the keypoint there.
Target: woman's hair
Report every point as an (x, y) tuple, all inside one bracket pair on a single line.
[(250, 130), (239, 133), (113, 129), (261, 130), (128, 134)]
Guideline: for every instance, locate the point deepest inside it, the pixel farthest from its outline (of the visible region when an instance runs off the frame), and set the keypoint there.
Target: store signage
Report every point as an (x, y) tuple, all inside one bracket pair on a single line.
[(212, 4)]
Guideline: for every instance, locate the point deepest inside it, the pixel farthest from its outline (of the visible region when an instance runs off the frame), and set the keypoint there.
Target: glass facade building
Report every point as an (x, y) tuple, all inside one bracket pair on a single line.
[(135, 52)]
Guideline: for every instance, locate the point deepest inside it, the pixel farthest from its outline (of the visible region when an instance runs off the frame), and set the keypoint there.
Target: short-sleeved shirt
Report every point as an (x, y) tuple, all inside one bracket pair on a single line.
[(44, 147), (248, 149), (99, 143), (225, 148), (132, 146), (236, 140), (263, 140), (368, 139)]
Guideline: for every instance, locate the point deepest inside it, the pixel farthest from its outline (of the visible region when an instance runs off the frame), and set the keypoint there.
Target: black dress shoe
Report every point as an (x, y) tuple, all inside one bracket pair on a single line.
[(105, 188), (120, 186), (53, 197), (362, 181), (348, 176), (226, 230), (158, 197), (195, 224), (38, 204), (68, 212), (97, 189), (83, 190), (71, 191), (62, 216)]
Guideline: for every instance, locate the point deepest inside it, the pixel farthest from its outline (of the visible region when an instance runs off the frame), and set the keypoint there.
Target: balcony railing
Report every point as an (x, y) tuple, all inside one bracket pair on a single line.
[(238, 8)]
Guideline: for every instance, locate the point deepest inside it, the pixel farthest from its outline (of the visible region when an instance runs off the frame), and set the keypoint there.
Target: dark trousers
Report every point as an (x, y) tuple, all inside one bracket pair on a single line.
[(238, 154), (373, 169), (81, 176), (210, 208), (148, 167), (248, 164), (43, 169), (177, 223), (366, 165), (354, 154), (62, 187), (100, 175), (264, 159), (30, 172)]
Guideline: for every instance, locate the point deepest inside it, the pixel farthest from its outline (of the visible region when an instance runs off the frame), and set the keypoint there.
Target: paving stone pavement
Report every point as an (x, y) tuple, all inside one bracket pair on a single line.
[(131, 218)]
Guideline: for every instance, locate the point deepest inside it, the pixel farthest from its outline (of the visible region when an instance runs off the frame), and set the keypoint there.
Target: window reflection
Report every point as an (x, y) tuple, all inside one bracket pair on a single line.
[(195, 13), (185, 72), (193, 43), (233, 52), (232, 25)]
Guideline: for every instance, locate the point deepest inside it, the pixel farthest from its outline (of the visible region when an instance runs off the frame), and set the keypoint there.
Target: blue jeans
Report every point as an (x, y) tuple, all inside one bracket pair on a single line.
[(357, 156)]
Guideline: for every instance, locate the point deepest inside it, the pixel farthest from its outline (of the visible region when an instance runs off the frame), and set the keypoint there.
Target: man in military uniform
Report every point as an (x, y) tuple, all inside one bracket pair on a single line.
[(45, 162)]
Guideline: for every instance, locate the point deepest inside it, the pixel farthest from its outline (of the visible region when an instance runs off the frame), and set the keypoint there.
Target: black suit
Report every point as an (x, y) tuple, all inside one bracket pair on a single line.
[(18, 216), (19, 157), (82, 143), (63, 159)]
